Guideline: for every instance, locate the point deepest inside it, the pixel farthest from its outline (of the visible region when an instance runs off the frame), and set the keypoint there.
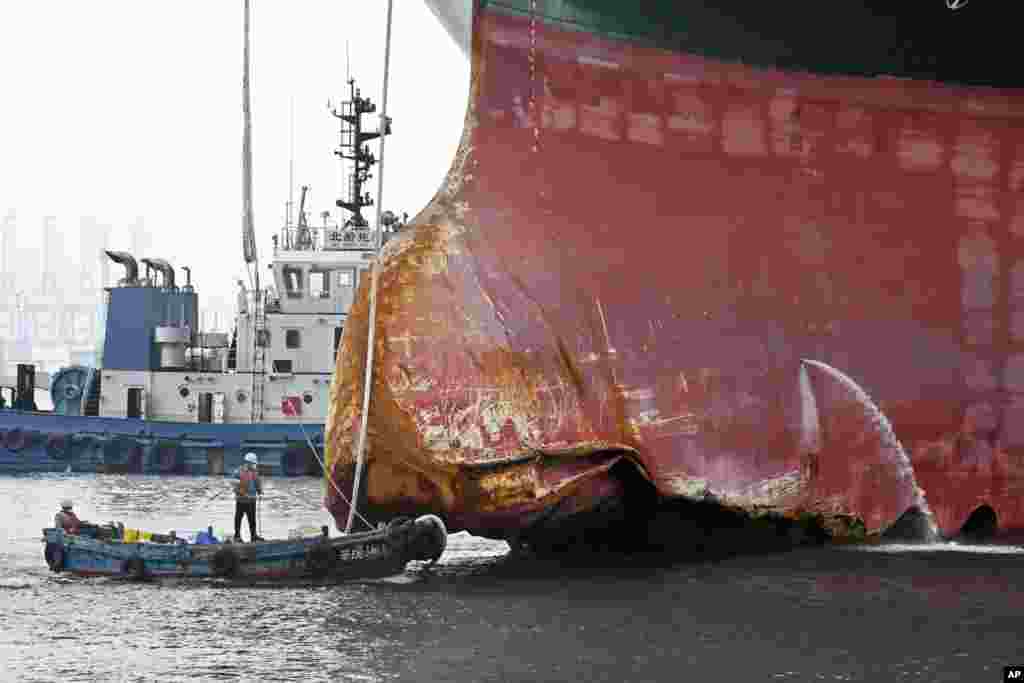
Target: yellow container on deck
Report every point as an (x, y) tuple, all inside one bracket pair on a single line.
[(137, 535)]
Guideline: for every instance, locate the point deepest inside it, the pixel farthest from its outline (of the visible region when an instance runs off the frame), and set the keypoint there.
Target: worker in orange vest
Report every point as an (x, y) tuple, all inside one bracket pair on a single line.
[(66, 519), (248, 491)]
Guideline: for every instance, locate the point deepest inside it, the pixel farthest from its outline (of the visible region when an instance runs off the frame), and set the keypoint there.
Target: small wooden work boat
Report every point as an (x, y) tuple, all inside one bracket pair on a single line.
[(384, 551)]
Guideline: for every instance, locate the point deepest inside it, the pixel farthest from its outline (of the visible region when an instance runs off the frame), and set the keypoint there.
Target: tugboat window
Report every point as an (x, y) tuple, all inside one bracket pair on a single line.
[(283, 366), (345, 278), (337, 338), (292, 277), (292, 339), (320, 284)]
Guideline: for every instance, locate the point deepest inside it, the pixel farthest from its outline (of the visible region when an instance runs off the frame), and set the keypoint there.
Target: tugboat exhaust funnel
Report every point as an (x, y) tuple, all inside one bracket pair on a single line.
[(162, 267), (131, 275)]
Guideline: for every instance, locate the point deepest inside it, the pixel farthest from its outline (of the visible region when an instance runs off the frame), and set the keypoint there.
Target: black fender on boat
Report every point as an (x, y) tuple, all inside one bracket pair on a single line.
[(399, 534), (169, 456), (16, 439), (54, 555), (58, 446), (124, 451), (321, 559), (225, 563), (297, 460), (431, 538), (397, 522), (134, 568), (135, 458), (115, 450)]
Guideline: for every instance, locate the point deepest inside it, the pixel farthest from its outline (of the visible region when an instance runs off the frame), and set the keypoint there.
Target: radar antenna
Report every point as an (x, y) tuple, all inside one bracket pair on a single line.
[(352, 147)]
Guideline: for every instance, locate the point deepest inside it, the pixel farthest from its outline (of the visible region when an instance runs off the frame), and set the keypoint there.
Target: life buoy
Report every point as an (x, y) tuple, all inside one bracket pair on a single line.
[(58, 446), (224, 563), (54, 555), (321, 560), (134, 568)]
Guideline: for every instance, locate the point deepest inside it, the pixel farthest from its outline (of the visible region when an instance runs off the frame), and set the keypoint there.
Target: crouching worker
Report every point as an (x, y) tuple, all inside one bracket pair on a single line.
[(66, 519), (250, 488)]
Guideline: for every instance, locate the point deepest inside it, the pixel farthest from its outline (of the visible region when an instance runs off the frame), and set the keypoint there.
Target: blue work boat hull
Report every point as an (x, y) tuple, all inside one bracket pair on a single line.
[(33, 442), (384, 551)]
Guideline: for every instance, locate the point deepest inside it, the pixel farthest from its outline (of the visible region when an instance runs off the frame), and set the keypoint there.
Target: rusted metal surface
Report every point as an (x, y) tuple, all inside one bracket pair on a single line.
[(791, 292)]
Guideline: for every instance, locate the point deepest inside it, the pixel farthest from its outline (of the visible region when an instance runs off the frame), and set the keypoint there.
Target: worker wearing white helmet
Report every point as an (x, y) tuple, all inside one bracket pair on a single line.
[(66, 519), (248, 491)]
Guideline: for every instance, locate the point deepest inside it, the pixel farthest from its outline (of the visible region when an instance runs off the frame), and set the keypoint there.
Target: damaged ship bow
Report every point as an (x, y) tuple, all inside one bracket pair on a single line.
[(691, 252)]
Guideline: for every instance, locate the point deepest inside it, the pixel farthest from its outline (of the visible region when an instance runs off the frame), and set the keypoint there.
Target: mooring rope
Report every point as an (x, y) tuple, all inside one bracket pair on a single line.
[(330, 479), (374, 277)]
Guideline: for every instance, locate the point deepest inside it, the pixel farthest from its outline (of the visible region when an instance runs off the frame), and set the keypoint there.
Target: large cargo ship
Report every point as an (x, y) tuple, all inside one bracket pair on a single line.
[(764, 253)]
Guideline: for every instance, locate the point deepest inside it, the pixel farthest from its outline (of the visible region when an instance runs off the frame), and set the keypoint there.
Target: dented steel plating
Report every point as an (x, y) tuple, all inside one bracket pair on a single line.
[(790, 240)]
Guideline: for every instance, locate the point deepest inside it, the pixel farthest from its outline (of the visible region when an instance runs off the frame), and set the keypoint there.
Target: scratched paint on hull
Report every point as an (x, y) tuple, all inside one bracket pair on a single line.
[(632, 258)]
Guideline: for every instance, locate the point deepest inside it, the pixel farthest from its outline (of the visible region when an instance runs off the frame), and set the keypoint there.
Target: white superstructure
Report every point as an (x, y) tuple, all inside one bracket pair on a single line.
[(280, 365)]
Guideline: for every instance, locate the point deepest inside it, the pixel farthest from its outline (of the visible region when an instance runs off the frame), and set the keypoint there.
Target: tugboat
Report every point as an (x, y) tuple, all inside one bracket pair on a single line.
[(169, 398)]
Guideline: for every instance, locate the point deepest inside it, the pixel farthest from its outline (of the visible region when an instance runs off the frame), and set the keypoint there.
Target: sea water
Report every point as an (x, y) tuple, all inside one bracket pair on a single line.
[(889, 613)]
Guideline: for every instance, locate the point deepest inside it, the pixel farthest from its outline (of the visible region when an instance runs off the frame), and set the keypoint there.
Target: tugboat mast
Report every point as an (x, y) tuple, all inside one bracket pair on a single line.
[(352, 147)]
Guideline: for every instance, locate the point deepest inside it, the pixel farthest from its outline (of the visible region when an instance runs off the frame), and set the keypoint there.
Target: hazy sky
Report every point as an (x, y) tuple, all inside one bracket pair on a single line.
[(125, 108)]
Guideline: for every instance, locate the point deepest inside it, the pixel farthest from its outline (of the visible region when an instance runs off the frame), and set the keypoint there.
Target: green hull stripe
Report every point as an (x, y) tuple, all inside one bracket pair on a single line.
[(849, 37)]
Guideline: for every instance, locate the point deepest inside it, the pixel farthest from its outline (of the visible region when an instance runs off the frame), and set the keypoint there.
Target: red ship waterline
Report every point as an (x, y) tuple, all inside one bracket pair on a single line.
[(768, 256)]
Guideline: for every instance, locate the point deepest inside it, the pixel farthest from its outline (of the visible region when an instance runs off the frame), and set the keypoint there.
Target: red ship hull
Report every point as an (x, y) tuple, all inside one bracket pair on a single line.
[(791, 292)]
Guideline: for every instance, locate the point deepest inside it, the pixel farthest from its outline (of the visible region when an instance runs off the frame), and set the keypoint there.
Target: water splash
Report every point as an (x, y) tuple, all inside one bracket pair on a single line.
[(810, 421), (882, 426)]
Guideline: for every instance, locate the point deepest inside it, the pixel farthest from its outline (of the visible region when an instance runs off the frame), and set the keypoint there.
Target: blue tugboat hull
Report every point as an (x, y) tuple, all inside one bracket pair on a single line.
[(45, 442)]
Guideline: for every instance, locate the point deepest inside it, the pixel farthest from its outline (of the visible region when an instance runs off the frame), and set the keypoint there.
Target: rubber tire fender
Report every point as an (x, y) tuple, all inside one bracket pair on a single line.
[(225, 563), (16, 439), (58, 446), (430, 545), (294, 461), (398, 533), (321, 560), (54, 555), (168, 456), (134, 568), (397, 522)]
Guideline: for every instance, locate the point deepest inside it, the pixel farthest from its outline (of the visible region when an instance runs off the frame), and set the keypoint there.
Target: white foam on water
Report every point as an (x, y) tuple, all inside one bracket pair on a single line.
[(938, 546), (14, 583), (904, 467), (398, 580)]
